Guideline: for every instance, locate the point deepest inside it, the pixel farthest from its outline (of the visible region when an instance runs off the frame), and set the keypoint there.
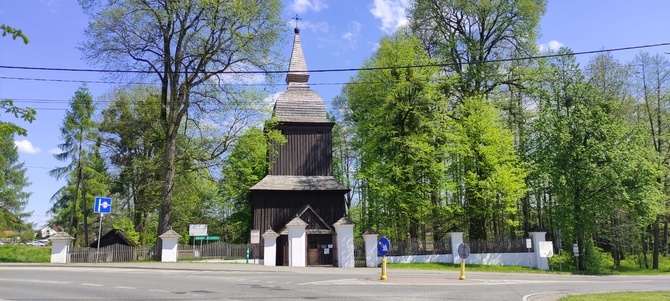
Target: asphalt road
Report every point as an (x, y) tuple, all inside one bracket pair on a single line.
[(223, 281)]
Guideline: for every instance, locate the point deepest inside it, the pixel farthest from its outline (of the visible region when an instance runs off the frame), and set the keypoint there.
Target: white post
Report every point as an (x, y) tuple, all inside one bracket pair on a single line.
[(60, 247), (169, 250), (540, 262), (344, 228), (270, 248), (296, 242), (371, 258), (456, 240)]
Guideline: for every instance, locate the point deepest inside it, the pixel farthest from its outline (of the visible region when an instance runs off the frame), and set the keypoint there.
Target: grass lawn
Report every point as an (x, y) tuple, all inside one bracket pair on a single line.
[(627, 268), (626, 296), (23, 253)]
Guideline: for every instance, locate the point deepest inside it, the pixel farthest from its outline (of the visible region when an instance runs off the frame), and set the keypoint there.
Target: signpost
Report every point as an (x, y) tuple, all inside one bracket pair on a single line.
[(529, 244), (254, 239), (101, 205), (463, 253), (383, 248)]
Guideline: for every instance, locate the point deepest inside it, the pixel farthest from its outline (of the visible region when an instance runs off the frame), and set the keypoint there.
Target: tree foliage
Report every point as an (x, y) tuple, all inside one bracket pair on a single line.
[(185, 46)]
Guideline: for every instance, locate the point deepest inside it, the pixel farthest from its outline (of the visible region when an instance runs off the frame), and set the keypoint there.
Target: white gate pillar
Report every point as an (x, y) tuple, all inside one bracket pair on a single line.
[(541, 263), (270, 248), (371, 258), (169, 249), (344, 228), (60, 247), (456, 237), (296, 242)]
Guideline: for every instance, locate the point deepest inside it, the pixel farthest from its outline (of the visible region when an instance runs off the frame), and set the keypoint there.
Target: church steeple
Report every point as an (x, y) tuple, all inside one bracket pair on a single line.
[(297, 69)]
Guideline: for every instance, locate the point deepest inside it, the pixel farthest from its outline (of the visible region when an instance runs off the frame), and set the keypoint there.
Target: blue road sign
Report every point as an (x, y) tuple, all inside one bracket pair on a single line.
[(102, 205), (383, 246)]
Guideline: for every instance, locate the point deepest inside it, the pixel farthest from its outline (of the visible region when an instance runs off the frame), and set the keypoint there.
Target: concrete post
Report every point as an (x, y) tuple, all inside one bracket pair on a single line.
[(344, 228), (297, 242), (60, 247), (541, 263), (270, 248), (456, 240), (371, 258), (169, 250)]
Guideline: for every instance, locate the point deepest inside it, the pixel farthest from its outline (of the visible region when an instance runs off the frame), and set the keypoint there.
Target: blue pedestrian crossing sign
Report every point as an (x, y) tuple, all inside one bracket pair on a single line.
[(383, 246), (102, 205)]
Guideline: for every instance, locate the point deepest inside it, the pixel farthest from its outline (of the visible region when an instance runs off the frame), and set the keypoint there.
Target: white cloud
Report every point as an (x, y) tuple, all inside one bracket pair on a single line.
[(55, 151), (553, 45), (25, 146), (392, 13), (353, 33), (301, 6)]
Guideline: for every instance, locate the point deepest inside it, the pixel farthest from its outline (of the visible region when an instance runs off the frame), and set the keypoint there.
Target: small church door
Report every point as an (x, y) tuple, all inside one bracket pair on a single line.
[(319, 249)]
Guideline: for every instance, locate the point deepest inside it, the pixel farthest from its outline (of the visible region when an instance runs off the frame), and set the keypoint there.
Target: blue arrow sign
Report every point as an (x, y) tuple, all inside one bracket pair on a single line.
[(383, 246), (102, 205)]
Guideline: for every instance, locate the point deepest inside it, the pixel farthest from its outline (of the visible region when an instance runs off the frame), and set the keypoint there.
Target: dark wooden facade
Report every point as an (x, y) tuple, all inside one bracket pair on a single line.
[(307, 151), (300, 180)]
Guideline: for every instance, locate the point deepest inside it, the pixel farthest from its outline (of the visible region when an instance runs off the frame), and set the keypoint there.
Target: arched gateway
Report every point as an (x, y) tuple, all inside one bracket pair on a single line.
[(300, 199)]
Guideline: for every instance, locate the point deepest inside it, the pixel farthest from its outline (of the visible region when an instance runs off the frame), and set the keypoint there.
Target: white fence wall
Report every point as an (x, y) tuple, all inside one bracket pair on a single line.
[(513, 259)]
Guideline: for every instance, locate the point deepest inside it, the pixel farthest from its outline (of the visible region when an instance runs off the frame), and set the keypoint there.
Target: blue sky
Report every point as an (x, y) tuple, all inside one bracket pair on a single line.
[(335, 34)]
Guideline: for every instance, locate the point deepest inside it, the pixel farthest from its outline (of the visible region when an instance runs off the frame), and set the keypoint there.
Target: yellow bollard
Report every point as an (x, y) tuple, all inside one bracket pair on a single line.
[(462, 270), (383, 269)]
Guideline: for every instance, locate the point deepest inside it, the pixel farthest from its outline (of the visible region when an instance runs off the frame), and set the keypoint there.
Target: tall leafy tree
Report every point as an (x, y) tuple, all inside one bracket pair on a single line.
[(493, 180), (13, 182), (595, 164), (471, 36), (133, 139), (651, 78), (183, 45), (398, 122), (79, 134)]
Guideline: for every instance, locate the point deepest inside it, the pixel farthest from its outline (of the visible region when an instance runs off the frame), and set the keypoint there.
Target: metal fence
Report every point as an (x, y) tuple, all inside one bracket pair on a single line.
[(216, 250), (498, 245), (420, 247), (113, 253)]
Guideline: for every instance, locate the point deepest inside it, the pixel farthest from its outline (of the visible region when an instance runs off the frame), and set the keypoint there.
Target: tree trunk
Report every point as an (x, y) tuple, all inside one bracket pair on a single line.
[(165, 217), (657, 237)]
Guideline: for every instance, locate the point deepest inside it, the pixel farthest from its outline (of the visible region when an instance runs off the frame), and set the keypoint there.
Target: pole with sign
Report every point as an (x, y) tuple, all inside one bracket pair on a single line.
[(383, 248), (101, 205), (529, 244), (464, 253)]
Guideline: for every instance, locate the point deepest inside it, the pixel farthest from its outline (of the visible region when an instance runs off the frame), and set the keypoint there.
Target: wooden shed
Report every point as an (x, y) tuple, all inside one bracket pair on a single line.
[(300, 180)]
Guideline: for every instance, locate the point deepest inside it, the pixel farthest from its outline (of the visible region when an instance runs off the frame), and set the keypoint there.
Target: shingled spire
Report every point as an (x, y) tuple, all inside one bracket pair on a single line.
[(297, 69), (299, 103)]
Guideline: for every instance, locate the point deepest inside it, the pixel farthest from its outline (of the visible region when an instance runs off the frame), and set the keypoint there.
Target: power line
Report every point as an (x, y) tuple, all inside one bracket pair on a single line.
[(347, 69), (149, 84)]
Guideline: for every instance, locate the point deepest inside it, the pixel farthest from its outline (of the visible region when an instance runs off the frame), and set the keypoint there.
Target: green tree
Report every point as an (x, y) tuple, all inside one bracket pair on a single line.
[(470, 36), (185, 45), (133, 138), (398, 122), (595, 163), (651, 78), (13, 182), (79, 134), (27, 114), (494, 180)]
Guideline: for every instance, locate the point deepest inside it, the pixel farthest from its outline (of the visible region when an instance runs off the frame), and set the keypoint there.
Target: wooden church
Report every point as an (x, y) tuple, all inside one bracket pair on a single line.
[(299, 188)]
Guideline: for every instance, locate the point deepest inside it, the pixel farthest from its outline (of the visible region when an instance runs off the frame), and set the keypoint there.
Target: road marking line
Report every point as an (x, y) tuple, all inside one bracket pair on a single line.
[(125, 287), (91, 284), (159, 291)]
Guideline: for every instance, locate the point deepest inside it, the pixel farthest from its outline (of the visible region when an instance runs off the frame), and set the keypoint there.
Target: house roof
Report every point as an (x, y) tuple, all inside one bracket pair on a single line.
[(299, 103), (305, 183), (107, 238)]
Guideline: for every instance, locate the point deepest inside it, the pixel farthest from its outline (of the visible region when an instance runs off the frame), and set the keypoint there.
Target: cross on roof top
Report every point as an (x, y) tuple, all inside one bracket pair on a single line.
[(297, 30)]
